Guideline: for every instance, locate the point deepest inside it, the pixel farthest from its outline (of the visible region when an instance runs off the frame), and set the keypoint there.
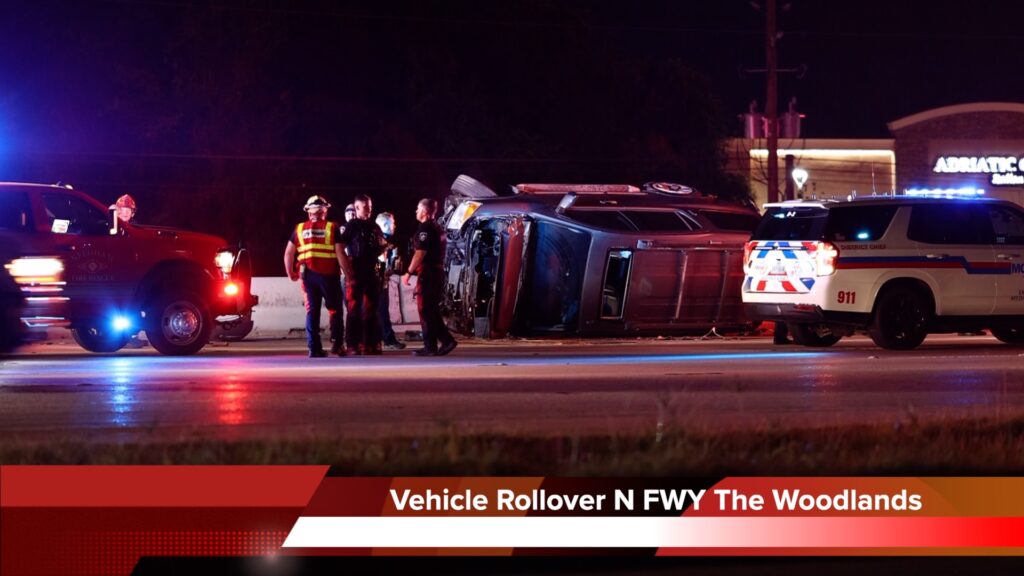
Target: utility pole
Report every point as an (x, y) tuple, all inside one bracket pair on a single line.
[(771, 106)]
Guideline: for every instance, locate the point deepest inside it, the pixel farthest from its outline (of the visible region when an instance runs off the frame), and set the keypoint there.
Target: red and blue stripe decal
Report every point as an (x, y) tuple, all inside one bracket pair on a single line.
[(903, 262)]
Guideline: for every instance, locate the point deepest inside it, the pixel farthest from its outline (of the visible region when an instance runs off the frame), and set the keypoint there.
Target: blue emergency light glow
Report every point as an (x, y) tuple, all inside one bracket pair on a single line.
[(863, 235), (963, 192), (121, 323)]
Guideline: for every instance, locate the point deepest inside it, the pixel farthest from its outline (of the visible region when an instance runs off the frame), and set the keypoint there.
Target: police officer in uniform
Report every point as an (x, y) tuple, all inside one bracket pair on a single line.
[(388, 263), (314, 255), (428, 264), (361, 244)]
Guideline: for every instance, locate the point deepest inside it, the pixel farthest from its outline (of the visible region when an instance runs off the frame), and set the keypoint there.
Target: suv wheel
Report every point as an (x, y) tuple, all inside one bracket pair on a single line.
[(808, 335), (178, 324), (1010, 335), (901, 319), (95, 339)]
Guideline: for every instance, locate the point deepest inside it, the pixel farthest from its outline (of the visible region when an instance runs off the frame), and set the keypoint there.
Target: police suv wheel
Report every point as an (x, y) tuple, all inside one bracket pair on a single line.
[(808, 335), (96, 339), (1009, 335), (901, 319), (178, 324)]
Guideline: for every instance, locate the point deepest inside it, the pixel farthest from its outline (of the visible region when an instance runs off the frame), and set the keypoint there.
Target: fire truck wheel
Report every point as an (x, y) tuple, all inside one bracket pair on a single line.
[(1009, 334), (178, 324), (808, 335), (95, 339)]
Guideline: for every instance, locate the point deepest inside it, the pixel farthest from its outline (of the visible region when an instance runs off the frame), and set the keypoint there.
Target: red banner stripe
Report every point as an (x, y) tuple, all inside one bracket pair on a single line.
[(158, 486)]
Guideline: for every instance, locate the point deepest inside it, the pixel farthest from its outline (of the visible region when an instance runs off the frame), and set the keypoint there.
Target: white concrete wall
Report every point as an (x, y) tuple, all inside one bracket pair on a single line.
[(281, 311)]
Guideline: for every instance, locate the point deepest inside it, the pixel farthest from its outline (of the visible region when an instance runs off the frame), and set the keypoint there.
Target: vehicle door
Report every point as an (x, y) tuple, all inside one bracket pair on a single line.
[(1008, 245), (953, 248), (98, 265)]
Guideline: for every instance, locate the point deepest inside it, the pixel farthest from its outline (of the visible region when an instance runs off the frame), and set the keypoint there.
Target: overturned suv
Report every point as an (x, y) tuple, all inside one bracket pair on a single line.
[(593, 260), (898, 267), (108, 280)]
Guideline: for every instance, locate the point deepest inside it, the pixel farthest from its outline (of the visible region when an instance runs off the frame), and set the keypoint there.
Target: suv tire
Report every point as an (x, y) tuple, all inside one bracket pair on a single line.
[(807, 335), (178, 323), (1009, 335), (95, 339), (901, 319)]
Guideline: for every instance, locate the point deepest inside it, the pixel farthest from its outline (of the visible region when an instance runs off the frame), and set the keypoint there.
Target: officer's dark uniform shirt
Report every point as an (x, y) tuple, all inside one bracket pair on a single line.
[(363, 240), (430, 239)]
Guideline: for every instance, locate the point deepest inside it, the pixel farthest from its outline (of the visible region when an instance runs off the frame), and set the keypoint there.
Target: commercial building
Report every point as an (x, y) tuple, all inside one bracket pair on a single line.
[(973, 149)]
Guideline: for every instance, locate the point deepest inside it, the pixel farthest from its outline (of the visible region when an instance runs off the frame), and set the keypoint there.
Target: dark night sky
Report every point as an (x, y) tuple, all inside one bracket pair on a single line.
[(869, 61), (272, 100)]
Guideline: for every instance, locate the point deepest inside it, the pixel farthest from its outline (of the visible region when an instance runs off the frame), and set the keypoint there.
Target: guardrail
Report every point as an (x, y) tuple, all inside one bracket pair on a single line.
[(282, 312)]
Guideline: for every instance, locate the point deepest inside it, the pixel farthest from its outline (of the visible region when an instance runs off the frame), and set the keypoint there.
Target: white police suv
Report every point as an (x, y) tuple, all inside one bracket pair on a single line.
[(899, 267)]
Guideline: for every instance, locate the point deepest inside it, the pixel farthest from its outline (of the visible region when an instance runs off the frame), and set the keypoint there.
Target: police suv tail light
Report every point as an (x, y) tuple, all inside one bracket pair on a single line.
[(225, 260), (826, 255), (748, 250)]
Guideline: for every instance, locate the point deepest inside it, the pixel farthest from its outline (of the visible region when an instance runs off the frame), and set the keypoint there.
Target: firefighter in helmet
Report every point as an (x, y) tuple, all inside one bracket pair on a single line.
[(125, 207), (313, 255)]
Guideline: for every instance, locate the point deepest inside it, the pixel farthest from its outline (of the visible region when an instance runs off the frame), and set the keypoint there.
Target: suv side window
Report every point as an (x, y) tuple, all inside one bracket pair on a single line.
[(658, 221), (849, 223), (952, 223), (15, 212), (606, 219), (1007, 225), (82, 217), (733, 221)]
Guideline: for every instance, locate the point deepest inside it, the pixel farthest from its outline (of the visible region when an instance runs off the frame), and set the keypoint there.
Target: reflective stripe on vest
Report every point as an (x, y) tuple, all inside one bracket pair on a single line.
[(310, 248)]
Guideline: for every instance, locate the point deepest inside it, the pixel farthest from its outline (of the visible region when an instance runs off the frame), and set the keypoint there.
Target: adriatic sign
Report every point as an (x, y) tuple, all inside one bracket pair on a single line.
[(1005, 170)]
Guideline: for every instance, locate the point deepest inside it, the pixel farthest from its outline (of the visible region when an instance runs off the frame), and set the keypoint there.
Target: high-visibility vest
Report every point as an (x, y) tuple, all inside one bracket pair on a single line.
[(316, 247)]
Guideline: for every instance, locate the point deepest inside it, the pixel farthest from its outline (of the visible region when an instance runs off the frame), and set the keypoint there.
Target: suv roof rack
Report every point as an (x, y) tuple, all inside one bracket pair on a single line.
[(562, 189)]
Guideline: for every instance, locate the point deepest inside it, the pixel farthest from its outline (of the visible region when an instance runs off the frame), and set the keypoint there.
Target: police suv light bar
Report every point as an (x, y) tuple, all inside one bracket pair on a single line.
[(964, 192)]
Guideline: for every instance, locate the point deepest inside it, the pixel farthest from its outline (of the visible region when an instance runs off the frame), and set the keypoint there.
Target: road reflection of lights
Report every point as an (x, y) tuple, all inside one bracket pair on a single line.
[(658, 358), (232, 405), (122, 393)]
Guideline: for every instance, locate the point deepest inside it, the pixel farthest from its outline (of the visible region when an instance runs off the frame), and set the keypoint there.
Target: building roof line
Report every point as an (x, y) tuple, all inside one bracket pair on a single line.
[(934, 113)]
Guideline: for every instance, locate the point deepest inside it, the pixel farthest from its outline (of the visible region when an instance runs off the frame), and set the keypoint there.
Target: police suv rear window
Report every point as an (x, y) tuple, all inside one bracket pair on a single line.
[(851, 223), (792, 223)]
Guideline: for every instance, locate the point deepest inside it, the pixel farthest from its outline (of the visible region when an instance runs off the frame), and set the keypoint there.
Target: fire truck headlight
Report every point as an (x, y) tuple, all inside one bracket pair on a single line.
[(35, 270), (225, 261)]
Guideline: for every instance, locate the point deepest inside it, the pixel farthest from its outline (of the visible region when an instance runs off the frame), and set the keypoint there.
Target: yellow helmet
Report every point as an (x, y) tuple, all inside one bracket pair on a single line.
[(316, 202)]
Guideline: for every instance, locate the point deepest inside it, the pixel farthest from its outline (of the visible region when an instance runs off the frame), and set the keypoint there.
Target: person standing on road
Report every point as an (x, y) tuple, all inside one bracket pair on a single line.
[(314, 256), (428, 264), (361, 244), (388, 263)]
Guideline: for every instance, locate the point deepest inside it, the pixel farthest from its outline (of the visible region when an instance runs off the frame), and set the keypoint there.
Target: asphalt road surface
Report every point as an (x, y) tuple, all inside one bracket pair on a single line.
[(267, 389)]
